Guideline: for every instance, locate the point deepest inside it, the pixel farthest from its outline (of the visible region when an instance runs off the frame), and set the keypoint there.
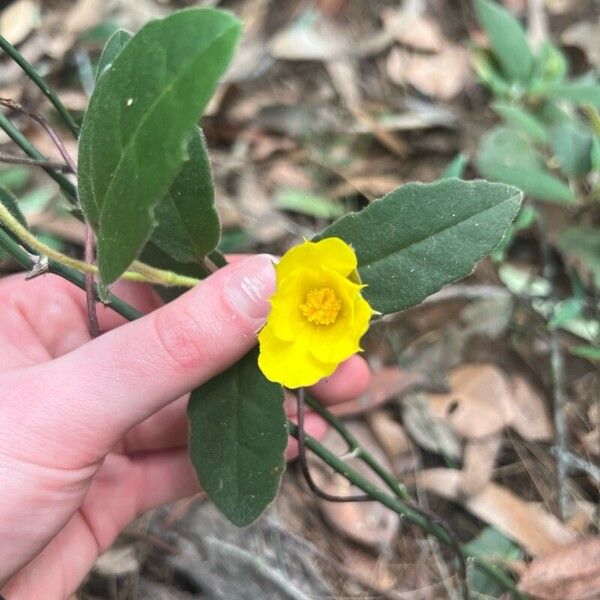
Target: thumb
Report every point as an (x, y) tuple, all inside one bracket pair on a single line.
[(107, 386)]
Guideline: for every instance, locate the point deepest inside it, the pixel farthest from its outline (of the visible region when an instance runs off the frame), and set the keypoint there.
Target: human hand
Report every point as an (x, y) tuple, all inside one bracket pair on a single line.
[(95, 431)]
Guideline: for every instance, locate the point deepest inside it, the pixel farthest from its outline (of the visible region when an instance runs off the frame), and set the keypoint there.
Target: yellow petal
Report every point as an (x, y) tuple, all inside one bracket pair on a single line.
[(285, 317), (290, 363), (332, 253), (341, 340)]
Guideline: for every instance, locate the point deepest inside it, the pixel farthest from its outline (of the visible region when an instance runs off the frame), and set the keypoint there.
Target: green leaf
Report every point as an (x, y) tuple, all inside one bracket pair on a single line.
[(519, 118), (314, 206), (188, 224), (507, 156), (507, 40), (420, 237), (15, 178), (456, 167), (590, 352), (550, 67), (578, 92), (489, 545), (238, 439), (595, 154), (113, 48), (138, 123), (572, 146), (583, 243), (487, 70)]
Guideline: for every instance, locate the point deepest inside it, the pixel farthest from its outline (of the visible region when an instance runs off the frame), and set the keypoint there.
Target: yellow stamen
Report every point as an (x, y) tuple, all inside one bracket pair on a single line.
[(321, 306)]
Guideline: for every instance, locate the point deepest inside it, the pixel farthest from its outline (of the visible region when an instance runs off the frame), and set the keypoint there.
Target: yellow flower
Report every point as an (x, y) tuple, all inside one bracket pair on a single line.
[(317, 314)]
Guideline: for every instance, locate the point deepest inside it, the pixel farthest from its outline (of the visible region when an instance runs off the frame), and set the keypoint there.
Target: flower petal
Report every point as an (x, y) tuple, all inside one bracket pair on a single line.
[(290, 363), (332, 253)]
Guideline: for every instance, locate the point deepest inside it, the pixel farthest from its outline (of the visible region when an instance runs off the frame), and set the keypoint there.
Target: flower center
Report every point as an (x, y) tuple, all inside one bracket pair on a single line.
[(321, 306)]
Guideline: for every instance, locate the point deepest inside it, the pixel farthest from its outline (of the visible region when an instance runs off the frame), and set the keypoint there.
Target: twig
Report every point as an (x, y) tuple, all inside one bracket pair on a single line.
[(32, 162), (90, 299), (538, 23), (39, 118), (557, 372), (39, 81), (29, 149), (579, 463)]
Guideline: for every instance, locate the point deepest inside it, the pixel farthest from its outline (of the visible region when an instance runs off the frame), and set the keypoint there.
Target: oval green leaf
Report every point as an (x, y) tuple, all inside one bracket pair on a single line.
[(507, 40), (572, 146), (506, 155), (140, 118), (188, 225), (420, 237), (238, 439)]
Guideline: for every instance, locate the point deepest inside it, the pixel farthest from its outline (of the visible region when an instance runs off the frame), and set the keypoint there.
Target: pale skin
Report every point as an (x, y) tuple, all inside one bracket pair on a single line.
[(94, 432)]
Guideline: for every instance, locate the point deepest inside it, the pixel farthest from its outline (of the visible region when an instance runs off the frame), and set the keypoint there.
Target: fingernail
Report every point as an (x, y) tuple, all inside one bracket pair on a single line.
[(250, 285)]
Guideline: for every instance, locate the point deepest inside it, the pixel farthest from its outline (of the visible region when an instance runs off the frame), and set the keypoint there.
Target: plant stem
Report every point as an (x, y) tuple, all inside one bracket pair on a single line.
[(41, 120), (557, 373), (391, 502), (41, 83), (29, 149), (32, 162), (355, 448), (141, 272)]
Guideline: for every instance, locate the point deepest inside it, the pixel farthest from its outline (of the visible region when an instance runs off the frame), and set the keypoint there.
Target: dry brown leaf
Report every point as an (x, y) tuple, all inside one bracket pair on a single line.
[(83, 15), (479, 459), (561, 7), (441, 75), (478, 403), (18, 20), (389, 433), (421, 33), (568, 573), (527, 411), (260, 219), (527, 523), (386, 383), (429, 432), (314, 38)]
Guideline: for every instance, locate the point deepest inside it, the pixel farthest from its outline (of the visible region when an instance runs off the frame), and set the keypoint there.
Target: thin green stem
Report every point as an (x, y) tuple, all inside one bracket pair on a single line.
[(41, 83), (29, 262), (355, 448), (141, 272), (13, 132), (391, 502)]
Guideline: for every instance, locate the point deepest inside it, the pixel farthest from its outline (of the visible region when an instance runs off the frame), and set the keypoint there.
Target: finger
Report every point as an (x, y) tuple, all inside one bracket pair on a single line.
[(48, 316), (118, 380), (349, 381)]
